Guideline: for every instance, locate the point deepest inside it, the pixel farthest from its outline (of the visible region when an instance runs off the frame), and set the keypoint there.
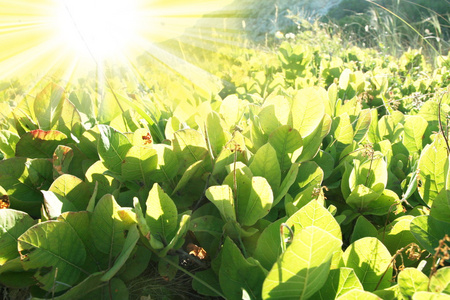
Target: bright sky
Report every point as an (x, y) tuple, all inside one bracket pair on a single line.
[(44, 36)]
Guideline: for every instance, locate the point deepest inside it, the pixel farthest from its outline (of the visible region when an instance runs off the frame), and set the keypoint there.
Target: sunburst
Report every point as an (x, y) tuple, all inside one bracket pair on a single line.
[(61, 38)]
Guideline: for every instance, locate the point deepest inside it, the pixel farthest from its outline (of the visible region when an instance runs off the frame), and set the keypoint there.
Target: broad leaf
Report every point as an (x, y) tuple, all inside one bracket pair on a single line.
[(370, 259), (308, 109), (410, 281), (139, 163), (286, 140), (112, 147), (265, 164), (303, 268), (237, 273), (55, 251), (48, 106), (431, 169), (109, 225), (257, 205), (415, 127), (161, 215), (222, 197), (39, 143), (339, 282), (429, 231), (12, 224)]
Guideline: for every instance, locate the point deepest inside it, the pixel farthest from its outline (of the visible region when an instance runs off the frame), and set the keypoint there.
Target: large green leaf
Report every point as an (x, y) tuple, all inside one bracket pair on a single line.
[(167, 166), (139, 163), (286, 140), (370, 259), (112, 147), (257, 205), (309, 175), (339, 282), (440, 209), (39, 143), (440, 281), (362, 125), (314, 214), (216, 134), (431, 169), (265, 164), (356, 294), (190, 146), (8, 141), (363, 228), (222, 197), (237, 273), (73, 189), (12, 224), (372, 173), (109, 225), (48, 106), (415, 127), (132, 236), (70, 120), (303, 268), (161, 214), (268, 247), (275, 113), (55, 251), (429, 231), (343, 132), (308, 109), (410, 281), (397, 234)]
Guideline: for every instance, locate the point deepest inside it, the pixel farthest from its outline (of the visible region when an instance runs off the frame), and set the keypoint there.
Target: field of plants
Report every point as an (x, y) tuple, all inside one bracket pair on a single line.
[(306, 170)]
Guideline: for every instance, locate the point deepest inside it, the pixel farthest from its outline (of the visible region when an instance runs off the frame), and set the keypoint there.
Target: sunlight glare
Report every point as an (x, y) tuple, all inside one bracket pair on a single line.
[(100, 28)]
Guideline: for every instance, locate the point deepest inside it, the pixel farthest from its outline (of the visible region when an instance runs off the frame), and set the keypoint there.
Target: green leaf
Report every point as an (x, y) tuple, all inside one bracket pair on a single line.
[(96, 175), (190, 146), (429, 296), (275, 113), (308, 109), (358, 294), (89, 284), (428, 231), (167, 166), (410, 281), (440, 281), (55, 251), (415, 127), (369, 258), (288, 181), (440, 208), (286, 140), (314, 214), (73, 189), (112, 147), (48, 106), (431, 169), (312, 143), (309, 175), (361, 197), (216, 132), (139, 163), (268, 247), (188, 175), (109, 225), (12, 224), (39, 143), (70, 120), (132, 236), (372, 173), (363, 228), (398, 234), (62, 157), (8, 141), (265, 164), (161, 215), (339, 282), (343, 132), (303, 268), (362, 125), (257, 205), (237, 273), (207, 224), (222, 197), (231, 110)]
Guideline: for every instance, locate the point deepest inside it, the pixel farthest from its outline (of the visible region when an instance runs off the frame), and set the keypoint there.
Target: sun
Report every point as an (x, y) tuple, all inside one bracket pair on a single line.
[(68, 39), (102, 29)]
